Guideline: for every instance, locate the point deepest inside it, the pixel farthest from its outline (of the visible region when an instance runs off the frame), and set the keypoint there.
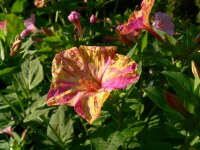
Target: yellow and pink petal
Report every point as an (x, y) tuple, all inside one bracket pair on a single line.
[(89, 106), (120, 73)]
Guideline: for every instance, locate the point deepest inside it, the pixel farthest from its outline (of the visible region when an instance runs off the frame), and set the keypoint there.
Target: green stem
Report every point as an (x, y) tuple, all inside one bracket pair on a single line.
[(20, 85), (20, 101), (3, 9), (116, 5), (27, 88), (11, 106), (46, 137), (45, 120)]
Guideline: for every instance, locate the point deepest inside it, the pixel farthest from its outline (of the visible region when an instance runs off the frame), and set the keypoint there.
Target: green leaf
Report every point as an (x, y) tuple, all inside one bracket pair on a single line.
[(62, 125), (153, 145), (32, 72), (4, 145), (197, 86), (36, 114), (157, 60), (183, 87), (144, 41), (19, 6), (9, 70), (2, 51), (157, 96), (107, 138), (38, 103), (132, 51), (14, 25)]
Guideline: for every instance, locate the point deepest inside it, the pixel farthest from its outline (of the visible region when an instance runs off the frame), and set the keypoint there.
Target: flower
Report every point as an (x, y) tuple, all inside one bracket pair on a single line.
[(84, 77), (162, 21), (7, 130), (3, 25), (30, 26), (138, 21), (74, 18), (39, 3)]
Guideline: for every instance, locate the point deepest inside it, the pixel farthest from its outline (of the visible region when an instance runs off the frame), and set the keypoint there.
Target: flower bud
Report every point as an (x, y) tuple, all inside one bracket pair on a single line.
[(15, 47), (93, 19), (195, 69), (175, 103)]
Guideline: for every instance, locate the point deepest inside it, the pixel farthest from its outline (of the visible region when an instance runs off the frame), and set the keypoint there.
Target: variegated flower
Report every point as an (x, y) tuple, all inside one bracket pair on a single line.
[(137, 21), (84, 77)]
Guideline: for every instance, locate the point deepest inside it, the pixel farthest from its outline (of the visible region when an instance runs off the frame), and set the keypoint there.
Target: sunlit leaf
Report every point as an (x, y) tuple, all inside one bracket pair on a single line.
[(32, 72), (62, 125)]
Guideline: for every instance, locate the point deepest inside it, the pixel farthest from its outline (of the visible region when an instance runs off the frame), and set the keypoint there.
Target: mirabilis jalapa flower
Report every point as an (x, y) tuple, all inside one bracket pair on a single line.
[(84, 77), (137, 21), (162, 21), (30, 26)]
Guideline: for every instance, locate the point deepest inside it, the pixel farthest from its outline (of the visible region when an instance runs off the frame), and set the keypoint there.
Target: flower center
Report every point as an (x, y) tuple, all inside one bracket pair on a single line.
[(90, 85)]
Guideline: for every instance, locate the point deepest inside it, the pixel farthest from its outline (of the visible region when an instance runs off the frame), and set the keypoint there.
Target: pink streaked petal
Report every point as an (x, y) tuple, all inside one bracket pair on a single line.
[(134, 25), (98, 58), (120, 73), (146, 7), (139, 19), (69, 67), (89, 106)]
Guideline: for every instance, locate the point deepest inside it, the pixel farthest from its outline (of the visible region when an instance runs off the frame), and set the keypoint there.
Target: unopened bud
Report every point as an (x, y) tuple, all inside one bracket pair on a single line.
[(39, 3), (24, 134), (175, 103), (74, 17), (195, 69), (93, 19), (47, 31), (15, 47)]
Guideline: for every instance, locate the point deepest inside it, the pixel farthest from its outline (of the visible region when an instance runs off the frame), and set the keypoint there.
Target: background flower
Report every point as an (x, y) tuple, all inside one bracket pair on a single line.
[(162, 21)]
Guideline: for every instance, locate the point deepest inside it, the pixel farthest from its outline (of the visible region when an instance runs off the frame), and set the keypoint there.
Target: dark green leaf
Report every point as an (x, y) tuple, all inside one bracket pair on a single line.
[(157, 96), (9, 70), (183, 87)]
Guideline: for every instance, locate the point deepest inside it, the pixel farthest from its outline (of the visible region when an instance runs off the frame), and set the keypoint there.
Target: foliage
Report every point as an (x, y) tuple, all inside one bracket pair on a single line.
[(141, 116)]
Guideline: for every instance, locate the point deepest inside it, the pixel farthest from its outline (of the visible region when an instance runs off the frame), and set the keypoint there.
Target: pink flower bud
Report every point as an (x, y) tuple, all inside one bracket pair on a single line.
[(25, 33), (93, 19), (74, 17)]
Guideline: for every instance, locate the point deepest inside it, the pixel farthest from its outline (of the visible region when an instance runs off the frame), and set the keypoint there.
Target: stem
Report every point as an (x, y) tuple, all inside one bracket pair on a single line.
[(155, 34), (46, 137), (3, 9), (27, 89), (116, 5), (20, 101), (19, 83), (11, 106), (45, 120)]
